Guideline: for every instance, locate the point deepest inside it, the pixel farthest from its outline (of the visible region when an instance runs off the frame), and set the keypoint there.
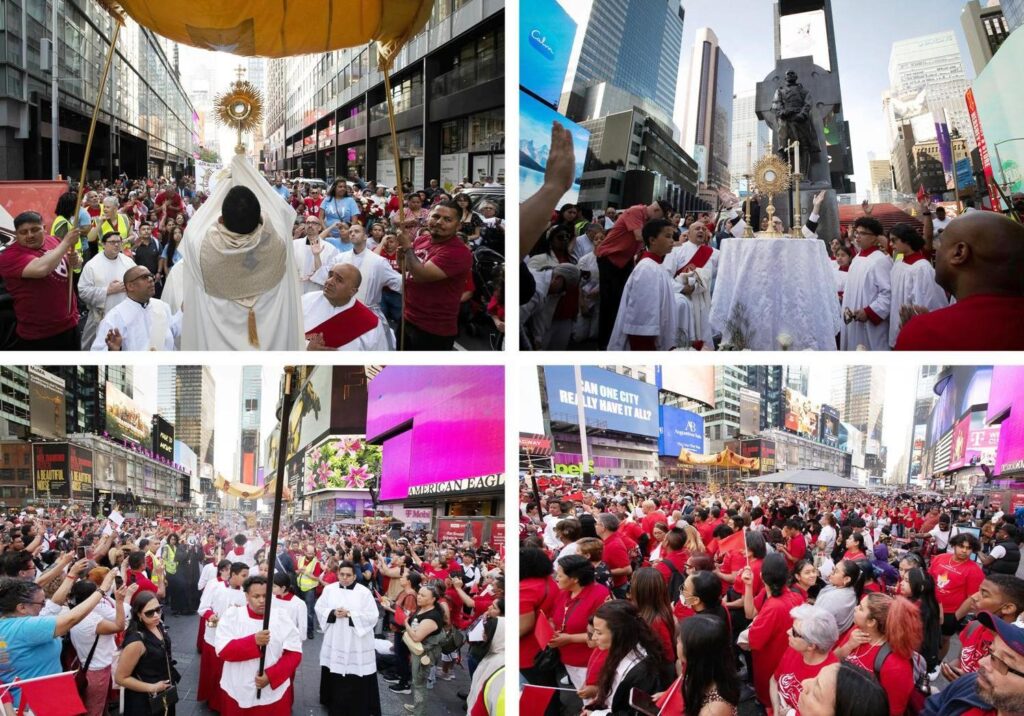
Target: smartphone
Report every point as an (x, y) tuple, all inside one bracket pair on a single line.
[(80, 553), (643, 703), (118, 582)]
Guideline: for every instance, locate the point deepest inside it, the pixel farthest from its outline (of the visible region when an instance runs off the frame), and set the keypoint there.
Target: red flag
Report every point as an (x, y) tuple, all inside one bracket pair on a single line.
[(534, 700), (400, 617), (542, 630), (921, 193), (671, 702), (732, 543), (56, 696)]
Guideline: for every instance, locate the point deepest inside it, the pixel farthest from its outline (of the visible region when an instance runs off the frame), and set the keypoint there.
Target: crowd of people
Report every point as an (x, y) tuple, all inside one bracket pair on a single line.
[(106, 280), (97, 595), (643, 278), (644, 597)]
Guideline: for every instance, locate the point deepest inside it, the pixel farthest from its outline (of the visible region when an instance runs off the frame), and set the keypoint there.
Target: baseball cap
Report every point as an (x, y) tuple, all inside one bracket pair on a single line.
[(1010, 633)]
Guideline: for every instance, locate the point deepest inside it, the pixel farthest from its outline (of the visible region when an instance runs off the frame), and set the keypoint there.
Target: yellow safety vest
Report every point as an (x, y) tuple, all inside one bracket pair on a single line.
[(61, 223), (122, 228), (170, 561), (305, 582)]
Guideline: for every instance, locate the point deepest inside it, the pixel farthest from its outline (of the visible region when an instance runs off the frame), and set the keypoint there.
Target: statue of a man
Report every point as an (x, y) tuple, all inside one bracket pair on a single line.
[(792, 107)]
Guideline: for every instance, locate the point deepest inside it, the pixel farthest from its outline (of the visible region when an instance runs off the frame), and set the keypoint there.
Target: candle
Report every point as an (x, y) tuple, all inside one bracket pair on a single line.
[(750, 163), (796, 157)]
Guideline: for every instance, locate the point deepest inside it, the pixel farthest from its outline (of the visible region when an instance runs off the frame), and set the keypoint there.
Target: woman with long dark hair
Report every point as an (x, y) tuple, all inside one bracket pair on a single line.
[(856, 548), (338, 207), (469, 221), (145, 665), (647, 591), (710, 686), (805, 579), (917, 586), (537, 593), (845, 588), (702, 594), (842, 690), (768, 633), (634, 659)]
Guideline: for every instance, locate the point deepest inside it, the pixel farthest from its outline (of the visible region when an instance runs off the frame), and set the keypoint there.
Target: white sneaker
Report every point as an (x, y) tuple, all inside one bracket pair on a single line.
[(933, 675)]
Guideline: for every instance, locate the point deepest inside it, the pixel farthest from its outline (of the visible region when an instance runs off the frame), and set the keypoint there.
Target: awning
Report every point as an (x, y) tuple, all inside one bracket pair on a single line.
[(811, 478)]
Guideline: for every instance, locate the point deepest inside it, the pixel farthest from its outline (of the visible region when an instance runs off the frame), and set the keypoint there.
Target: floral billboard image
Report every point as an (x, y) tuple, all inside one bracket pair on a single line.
[(344, 462)]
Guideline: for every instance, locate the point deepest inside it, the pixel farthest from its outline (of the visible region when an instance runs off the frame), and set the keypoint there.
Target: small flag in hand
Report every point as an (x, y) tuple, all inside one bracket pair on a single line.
[(400, 617), (542, 630), (921, 193), (534, 700), (671, 702), (57, 696)]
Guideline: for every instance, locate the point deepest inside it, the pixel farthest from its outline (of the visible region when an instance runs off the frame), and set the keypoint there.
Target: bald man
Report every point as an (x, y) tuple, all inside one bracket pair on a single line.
[(139, 322), (335, 320), (981, 263)]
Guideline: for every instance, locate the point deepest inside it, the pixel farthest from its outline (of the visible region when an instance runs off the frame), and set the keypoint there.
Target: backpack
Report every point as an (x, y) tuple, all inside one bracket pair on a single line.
[(603, 575), (921, 691), (676, 580), (452, 640)]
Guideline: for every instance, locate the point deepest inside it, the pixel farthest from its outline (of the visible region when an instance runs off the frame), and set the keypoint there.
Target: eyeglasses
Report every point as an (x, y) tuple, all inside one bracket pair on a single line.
[(143, 277), (152, 612), (40, 604), (795, 634), (1002, 667)]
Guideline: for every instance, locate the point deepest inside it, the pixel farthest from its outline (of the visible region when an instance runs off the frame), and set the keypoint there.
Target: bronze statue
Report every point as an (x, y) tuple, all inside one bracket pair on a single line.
[(792, 108)]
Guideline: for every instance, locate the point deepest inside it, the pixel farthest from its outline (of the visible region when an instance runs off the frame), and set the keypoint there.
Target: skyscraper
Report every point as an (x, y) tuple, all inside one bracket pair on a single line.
[(858, 392), (751, 138), (767, 381), (249, 420), (195, 394), (881, 179), (923, 402), (707, 128), (633, 46), (723, 421), (985, 29), (1013, 11), (797, 377), (167, 392)]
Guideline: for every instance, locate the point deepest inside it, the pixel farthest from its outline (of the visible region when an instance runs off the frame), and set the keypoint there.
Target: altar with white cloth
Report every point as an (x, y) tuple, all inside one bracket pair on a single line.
[(772, 287)]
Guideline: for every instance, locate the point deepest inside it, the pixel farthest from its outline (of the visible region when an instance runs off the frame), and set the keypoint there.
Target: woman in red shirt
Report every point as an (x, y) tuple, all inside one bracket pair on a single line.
[(537, 593), (879, 620), (647, 591), (578, 598), (768, 633), (811, 639), (805, 577), (856, 549)]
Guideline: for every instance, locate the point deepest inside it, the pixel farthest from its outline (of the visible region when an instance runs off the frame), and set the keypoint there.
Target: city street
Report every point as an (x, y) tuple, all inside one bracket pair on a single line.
[(442, 701)]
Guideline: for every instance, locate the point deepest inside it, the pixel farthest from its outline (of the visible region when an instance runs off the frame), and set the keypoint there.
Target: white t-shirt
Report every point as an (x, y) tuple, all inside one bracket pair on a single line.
[(828, 536), (83, 635), (941, 538), (998, 552)]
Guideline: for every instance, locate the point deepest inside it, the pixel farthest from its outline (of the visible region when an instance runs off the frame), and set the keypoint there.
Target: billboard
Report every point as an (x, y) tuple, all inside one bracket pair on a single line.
[(694, 382), (801, 413), (804, 34), (535, 120), (80, 472), (763, 450), (546, 35), (459, 531), (126, 421), (46, 404), (184, 455), (418, 414), (1006, 408), (163, 438), (829, 426), (680, 429), (973, 443), (311, 414), (750, 412), (964, 173), (998, 114), (959, 389), (610, 401), (50, 470), (348, 400)]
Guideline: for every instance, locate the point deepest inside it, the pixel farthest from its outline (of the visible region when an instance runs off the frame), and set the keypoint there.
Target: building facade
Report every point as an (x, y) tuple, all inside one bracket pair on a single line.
[(707, 128), (881, 179), (751, 140), (722, 422), (249, 420), (795, 451), (195, 393), (326, 114), (145, 122), (767, 382), (1013, 12), (985, 29)]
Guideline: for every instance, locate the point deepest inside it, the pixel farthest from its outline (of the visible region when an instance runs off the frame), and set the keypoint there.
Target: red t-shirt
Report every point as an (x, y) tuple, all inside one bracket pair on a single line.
[(791, 673), (976, 641), (664, 632), (797, 547), (620, 244), (594, 666), (434, 306), (896, 676), (40, 304), (954, 582), (678, 560), (174, 203), (630, 532), (616, 557), (533, 600), (651, 519), (144, 582), (734, 564), (705, 529), (313, 206), (392, 259), (768, 639), (977, 323), (571, 616)]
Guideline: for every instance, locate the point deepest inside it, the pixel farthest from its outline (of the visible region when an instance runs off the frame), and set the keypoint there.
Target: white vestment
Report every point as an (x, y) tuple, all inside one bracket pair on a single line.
[(648, 308), (316, 309), (213, 323), (913, 285), (348, 647), (376, 273), (221, 600), (295, 608), (238, 677), (206, 603), (586, 325), (98, 273), (701, 279), (868, 285), (152, 328), (304, 261), (206, 575)]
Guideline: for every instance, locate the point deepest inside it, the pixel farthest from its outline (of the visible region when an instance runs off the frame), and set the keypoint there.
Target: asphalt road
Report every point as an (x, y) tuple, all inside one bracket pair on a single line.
[(441, 701)]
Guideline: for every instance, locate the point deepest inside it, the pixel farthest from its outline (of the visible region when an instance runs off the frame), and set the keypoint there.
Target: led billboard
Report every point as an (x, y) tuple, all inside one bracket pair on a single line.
[(46, 404), (750, 412), (50, 470), (535, 120), (80, 472), (829, 426), (163, 438), (694, 382), (801, 413), (127, 421), (610, 401), (546, 34), (680, 429)]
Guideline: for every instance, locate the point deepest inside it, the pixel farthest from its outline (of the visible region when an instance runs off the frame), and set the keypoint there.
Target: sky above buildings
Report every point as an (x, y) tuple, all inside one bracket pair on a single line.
[(865, 31)]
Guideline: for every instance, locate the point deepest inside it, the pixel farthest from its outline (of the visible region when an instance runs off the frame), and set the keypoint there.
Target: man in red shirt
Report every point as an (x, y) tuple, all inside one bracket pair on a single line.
[(615, 554), (436, 265), (979, 261), (615, 260), (36, 269), (169, 203), (795, 548), (652, 516), (1002, 595), (312, 202), (957, 580)]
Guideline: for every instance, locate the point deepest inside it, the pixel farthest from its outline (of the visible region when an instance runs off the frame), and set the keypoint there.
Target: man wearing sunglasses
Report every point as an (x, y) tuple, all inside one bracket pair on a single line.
[(101, 286), (997, 688), (140, 323)]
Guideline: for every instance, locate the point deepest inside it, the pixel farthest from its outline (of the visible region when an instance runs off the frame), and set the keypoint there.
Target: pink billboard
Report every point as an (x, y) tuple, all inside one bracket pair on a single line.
[(1006, 407), (441, 428), (967, 445)]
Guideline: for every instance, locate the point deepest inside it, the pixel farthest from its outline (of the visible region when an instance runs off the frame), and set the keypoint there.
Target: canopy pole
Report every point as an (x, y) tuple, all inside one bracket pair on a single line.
[(287, 401), (396, 158), (88, 141)]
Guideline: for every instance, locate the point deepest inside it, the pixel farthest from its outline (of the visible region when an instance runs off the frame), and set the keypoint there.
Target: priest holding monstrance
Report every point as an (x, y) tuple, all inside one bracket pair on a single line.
[(348, 614)]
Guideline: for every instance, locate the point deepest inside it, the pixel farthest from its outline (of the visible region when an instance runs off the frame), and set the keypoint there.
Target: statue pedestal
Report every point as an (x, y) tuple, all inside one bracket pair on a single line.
[(828, 224)]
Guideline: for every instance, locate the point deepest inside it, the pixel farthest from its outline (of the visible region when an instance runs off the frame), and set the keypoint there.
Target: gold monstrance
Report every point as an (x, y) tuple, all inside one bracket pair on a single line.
[(241, 107), (771, 177)]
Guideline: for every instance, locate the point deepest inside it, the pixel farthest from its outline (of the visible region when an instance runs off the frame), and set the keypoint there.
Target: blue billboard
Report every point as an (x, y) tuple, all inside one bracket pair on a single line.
[(535, 120), (964, 173), (546, 34), (680, 429), (610, 401)]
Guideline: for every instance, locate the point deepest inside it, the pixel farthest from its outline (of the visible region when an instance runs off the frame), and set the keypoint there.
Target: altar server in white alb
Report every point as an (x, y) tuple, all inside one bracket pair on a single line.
[(868, 295), (311, 251), (348, 665), (140, 322), (913, 278), (647, 318), (240, 635), (693, 266), (335, 319), (101, 285)]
